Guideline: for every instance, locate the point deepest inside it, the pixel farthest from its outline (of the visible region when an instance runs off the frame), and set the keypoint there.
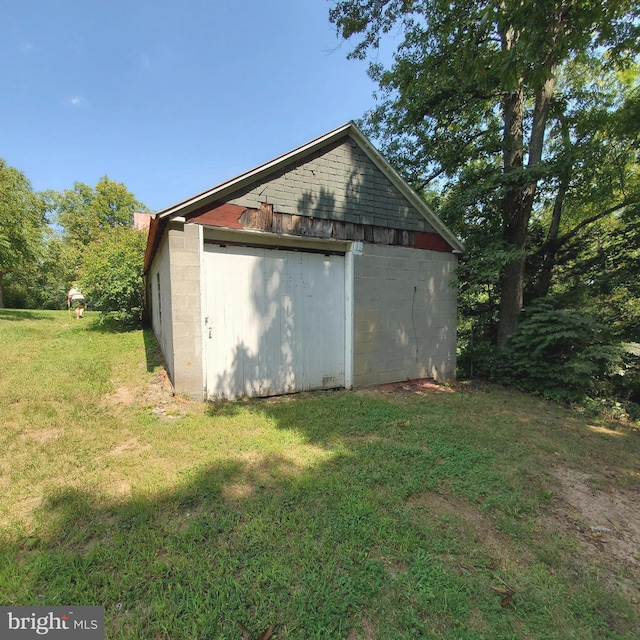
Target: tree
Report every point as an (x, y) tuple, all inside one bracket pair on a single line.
[(470, 93), (594, 145), (22, 223), (111, 274), (83, 212)]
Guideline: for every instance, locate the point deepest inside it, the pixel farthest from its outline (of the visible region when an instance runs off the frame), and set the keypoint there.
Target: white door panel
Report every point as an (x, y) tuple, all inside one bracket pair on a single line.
[(275, 321)]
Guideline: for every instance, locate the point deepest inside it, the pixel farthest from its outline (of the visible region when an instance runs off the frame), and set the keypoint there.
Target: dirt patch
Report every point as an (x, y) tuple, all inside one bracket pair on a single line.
[(606, 519), (418, 386), (131, 445), (158, 395), (497, 546), (124, 396), (42, 436)]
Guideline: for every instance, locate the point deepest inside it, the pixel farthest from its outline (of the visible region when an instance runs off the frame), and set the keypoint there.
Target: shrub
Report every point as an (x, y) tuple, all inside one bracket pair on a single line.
[(561, 354), (111, 275)]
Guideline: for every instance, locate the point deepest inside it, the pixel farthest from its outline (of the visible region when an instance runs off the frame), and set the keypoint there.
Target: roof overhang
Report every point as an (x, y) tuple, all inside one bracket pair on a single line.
[(227, 188)]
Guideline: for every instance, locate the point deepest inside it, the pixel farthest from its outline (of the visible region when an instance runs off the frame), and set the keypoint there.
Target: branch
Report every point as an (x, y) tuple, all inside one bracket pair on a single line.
[(595, 218), (429, 179), (586, 222)]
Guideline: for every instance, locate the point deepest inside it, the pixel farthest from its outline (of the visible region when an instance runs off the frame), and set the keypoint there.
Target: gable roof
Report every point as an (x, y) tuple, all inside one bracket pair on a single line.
[(263, 171)]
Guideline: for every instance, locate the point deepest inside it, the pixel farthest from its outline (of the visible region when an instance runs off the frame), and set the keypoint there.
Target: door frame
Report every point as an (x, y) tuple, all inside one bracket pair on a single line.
[(216, 235)]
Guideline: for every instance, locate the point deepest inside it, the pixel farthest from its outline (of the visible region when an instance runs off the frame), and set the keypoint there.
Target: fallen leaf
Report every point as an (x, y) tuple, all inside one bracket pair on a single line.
[(507, 600)]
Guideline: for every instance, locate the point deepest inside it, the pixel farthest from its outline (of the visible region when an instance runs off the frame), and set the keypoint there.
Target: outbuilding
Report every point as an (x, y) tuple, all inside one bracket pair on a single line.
[(319, 269)]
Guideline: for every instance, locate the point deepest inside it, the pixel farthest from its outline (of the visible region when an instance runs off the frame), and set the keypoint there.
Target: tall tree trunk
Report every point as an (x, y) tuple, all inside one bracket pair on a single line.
[(518, 200), (551, 244), (514, 226), (1, 296)]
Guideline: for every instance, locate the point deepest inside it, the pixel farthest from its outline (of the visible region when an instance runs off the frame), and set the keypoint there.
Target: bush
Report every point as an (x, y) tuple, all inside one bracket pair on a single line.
[(561, 354), (111, 275)]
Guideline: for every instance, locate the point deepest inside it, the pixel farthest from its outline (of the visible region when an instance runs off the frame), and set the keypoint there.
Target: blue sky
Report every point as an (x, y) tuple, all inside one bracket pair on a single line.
[(169, 98)]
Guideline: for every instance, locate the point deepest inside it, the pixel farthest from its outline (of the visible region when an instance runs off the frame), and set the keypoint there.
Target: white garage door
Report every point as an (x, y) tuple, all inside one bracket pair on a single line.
[(274, 321)]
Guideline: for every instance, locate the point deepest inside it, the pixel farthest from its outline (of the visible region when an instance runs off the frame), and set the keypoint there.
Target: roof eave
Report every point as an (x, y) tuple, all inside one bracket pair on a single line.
[(223, 189), (226, 188)]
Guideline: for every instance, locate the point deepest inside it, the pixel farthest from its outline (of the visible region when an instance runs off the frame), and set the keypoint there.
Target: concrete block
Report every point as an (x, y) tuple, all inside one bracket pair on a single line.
[(366, 379), (176, 240), (186, 316), (186, 258), (367, 346)]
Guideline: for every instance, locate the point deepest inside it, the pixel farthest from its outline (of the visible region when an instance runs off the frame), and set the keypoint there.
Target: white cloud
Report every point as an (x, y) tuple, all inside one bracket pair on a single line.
[(77, 101), (27, 46)]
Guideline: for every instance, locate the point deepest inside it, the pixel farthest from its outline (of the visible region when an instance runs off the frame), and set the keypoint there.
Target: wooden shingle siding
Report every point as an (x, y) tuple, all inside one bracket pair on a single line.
[(232, 216), (336, 183)]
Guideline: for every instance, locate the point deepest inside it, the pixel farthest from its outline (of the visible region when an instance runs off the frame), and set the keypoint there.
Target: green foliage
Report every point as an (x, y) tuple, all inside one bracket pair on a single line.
[(93, 220), (521, 115), (111, 274), (22, 225), (38, 262), (559, 353), (84, 212)]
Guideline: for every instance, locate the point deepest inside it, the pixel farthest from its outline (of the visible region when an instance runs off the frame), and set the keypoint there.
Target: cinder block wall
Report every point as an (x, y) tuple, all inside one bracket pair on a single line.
[(185, 247), (404, 315)]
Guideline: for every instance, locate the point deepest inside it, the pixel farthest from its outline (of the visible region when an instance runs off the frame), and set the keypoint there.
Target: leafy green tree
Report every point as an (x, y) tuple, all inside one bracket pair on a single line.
[(22, 224), (83, 212), (57, 269), (593, 145), (471, 95), (111, 274)]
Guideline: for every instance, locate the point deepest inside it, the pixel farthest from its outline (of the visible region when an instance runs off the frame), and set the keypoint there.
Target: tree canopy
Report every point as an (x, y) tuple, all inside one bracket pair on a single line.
[(84, 211), (22, 225), (518, 122), (91, 228), (491, 103), (111, 274)]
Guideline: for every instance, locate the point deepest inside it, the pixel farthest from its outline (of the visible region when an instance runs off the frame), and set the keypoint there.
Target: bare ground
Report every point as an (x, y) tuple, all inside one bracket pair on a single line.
[(602, 518), (604, 521)]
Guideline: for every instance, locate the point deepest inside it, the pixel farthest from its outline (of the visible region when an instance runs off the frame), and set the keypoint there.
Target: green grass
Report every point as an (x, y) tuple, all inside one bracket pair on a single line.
[(332, 514)]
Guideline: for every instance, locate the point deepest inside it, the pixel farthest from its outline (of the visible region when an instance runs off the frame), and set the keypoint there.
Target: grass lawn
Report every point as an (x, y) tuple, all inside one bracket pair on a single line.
[(465, 513)]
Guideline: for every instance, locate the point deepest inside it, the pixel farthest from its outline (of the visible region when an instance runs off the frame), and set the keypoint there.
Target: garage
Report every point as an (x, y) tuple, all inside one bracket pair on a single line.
[(274, 319), (318, 269)]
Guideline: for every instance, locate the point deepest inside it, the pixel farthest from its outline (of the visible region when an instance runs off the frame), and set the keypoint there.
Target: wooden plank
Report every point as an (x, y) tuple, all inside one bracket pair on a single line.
[(276, 226), (431, 242), (382, 235), (258, 219), (368, 233), (266, 219), (221, 215), (322, 228)]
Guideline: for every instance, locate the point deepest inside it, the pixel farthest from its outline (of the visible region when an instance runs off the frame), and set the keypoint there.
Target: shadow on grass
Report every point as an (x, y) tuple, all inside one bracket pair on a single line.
[(153, 353), (325, 548), (237, 543), (106, 323), (17, 315)]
